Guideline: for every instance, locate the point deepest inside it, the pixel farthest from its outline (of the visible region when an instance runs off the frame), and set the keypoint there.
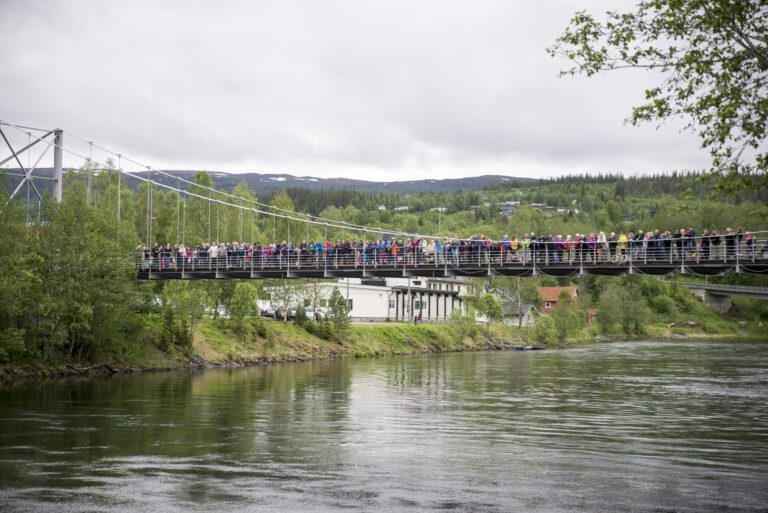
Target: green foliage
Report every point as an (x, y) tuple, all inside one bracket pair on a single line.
[(712, 58), (546, 330), (242, 307), (323, 328), (187, 301), (301, 315), (338, 312), (170, 330), (610, 314), (568, 318), (490, 307), (623, 308), (243, 302), (464, 324)]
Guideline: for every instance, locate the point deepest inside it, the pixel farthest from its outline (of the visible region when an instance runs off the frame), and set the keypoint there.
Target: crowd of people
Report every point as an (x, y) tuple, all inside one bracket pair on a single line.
[(531, 247)]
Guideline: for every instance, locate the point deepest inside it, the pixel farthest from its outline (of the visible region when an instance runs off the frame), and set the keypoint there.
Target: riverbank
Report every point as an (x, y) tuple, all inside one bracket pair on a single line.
[(218, 343)]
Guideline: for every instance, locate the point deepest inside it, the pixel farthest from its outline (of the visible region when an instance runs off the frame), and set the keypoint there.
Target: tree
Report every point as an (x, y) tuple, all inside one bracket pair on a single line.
[(524, 292), (490, 307), (242, 306), (200, 216), (610, 307), (635, 309), (338, 311), (567, 317), (20, 286), (188, 303), (281, 227), (713, 60), (243, 302), (285, 295), (85, 307)]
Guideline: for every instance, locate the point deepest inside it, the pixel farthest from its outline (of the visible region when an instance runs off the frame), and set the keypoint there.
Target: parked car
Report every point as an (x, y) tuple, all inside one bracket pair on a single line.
[(315, 313), (268, 312), (282, 313)]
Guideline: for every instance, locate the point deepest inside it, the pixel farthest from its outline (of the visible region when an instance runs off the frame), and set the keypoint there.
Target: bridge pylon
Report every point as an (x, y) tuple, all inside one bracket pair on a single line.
[(48, 139)]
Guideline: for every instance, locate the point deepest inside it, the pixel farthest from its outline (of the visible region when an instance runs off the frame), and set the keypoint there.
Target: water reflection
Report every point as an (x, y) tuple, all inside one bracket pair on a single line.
[(650, 426)]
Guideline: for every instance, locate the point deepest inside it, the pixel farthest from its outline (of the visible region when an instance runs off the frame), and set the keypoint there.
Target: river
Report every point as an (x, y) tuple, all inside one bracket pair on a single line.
[(637, 426)]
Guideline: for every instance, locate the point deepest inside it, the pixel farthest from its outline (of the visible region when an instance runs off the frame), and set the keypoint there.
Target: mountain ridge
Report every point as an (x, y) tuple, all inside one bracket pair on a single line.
[(270, 182)]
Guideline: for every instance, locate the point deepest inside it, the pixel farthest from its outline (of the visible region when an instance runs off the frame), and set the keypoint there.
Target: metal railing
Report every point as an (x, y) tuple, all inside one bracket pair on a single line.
[(475, 254)]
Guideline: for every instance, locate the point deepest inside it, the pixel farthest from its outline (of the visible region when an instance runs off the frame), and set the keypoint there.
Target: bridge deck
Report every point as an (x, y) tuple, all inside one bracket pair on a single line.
[(489, 265), (719, 289)]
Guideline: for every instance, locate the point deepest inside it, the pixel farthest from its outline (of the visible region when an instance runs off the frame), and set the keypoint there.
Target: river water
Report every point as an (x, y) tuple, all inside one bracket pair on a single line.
[(632, 426)]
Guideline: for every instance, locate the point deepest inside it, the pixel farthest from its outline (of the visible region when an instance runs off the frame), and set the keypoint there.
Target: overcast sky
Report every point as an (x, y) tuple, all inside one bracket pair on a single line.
[(379, 90)]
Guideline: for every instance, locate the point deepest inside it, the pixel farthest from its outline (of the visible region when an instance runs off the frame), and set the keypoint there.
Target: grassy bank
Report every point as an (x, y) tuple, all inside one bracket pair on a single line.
[(667, 312), (220, 342)]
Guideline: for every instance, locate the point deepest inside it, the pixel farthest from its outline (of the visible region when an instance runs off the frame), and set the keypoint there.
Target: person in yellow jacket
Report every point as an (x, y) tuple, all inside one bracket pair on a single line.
[(623, 244), (526, 245)]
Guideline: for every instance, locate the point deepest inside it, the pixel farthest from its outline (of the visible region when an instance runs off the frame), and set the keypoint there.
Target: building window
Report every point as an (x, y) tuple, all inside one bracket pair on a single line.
[(349, 304), (418, 305), (547, 304), (391, 303), (417, 283)]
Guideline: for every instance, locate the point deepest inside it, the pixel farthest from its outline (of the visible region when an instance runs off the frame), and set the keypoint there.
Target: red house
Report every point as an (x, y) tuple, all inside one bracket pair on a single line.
[(550, 295)]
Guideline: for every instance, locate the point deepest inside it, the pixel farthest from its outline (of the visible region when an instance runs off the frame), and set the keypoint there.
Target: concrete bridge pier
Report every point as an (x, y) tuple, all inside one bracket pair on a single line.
[(718, 302)]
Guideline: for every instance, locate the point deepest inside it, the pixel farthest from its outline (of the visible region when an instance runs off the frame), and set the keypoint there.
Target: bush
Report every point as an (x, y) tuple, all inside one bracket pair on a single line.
[(260, 327), (12, 345), (662, 304), (545, 330), (322, 329), (301, 316), (464, 325)]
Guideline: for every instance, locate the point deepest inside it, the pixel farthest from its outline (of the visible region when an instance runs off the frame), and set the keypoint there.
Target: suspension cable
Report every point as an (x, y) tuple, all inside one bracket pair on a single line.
[(149, 211), (313, 219), (184, 222), (178, 216), (119, 194), (355, 227)]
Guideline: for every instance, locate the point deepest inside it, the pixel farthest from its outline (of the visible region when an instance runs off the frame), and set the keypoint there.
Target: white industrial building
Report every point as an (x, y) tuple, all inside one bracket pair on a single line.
[(381, 299)]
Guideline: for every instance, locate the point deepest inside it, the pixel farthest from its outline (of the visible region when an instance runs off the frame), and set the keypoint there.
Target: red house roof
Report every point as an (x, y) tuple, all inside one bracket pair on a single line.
[(552, 294)]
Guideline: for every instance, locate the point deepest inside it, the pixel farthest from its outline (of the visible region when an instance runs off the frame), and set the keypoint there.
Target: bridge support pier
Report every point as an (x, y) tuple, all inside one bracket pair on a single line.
[(717, 302)]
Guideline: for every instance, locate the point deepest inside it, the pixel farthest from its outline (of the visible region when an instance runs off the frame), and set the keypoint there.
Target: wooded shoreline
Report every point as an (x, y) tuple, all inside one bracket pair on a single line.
[(393, 339)]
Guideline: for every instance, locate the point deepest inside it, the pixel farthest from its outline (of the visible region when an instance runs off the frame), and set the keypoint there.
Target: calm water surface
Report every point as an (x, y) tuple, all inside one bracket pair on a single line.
[(635, 426)]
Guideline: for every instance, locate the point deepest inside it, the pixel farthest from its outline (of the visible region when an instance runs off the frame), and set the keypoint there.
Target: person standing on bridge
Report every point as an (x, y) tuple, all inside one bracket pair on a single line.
[(739, 240), (715, 242), (730, 243), (622, 246)]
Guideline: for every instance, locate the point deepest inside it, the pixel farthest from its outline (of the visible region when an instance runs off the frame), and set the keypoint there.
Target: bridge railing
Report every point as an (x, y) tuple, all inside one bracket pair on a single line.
[(476, 254), (719, 286)]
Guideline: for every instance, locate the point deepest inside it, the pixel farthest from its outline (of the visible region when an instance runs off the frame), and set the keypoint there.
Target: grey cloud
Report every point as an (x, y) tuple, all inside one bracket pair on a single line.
[(384, 89)]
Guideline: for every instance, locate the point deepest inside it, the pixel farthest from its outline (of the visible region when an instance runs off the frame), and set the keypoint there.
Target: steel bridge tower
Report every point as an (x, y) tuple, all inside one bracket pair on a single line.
[(51, 139)]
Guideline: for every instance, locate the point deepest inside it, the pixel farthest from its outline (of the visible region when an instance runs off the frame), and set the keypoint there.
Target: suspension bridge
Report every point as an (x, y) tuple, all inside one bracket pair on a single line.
[(459, 257)]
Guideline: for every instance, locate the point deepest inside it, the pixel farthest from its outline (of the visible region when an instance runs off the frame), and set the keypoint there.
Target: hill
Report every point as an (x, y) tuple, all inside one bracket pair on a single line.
[(269, 182)]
